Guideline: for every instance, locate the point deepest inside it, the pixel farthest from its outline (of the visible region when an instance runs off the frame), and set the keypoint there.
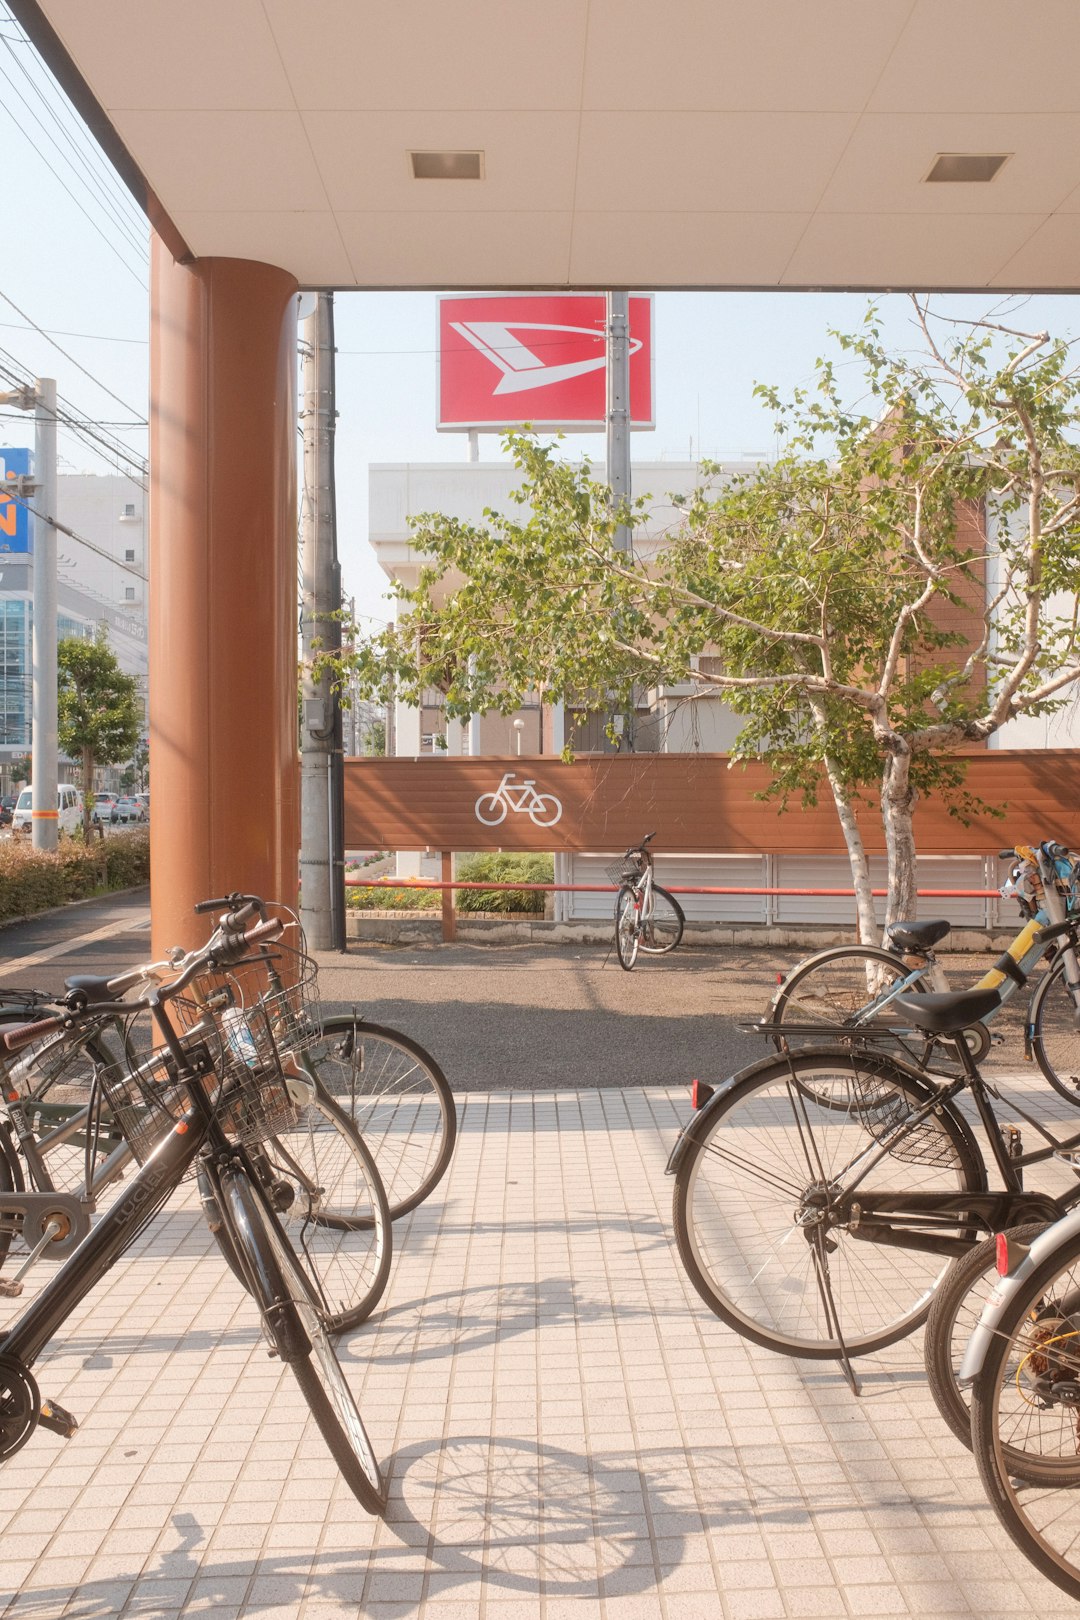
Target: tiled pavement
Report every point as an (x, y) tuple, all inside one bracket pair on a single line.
[(567, 1429)]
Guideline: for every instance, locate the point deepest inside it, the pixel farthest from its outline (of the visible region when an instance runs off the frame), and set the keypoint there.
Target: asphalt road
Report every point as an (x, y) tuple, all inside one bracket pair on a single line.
[(518, 1017)]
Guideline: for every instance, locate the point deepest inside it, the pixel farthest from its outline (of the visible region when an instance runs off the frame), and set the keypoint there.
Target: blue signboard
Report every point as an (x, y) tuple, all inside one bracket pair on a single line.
[(14, 518)]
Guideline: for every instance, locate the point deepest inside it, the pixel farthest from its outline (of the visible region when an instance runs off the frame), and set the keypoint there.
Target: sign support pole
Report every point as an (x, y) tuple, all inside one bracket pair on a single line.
[(618, 407)]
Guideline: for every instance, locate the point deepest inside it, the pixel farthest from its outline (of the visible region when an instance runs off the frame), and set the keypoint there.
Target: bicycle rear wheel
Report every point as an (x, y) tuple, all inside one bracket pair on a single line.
[(397, 1097), (324, 1185), (663, 928), (1024, 1418), (759, 1212), (627, 934), (319, 1373)]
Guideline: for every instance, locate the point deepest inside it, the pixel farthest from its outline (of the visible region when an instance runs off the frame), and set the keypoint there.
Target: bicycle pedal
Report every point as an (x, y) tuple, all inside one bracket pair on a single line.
[(10, 1290), (57, 1418), (997, 1040)]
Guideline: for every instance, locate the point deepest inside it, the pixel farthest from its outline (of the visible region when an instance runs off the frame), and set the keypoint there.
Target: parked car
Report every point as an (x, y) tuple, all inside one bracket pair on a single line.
[(68, 809), (127, 809), (104, 806), (144, 800), (7, 808)]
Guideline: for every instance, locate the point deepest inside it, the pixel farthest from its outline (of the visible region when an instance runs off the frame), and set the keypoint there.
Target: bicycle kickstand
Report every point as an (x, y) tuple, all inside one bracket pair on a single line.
[(832, 1317)]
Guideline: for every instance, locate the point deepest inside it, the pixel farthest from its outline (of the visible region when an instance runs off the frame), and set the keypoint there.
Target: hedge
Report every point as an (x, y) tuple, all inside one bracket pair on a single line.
[(31, 880), (504, 868)]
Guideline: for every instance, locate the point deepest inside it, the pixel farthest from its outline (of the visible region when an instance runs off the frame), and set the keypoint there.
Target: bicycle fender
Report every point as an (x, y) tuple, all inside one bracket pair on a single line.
[(259, 1261), (1043, 1248), (695, 1127)]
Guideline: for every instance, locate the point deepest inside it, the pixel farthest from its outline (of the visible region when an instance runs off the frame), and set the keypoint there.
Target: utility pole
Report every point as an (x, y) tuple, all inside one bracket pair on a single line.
[(41, 399), (321, 854)]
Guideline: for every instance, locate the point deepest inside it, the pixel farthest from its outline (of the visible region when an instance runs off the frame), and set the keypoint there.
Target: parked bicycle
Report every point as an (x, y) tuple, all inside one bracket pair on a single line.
[(62, 1151), (647, 917), (205, 1099), (821, 1192), (858, 986), (392, 1091), (1023, 1359)]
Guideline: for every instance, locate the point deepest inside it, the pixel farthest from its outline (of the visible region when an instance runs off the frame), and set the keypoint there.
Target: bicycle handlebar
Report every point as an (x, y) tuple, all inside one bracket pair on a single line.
[(13, 1040)]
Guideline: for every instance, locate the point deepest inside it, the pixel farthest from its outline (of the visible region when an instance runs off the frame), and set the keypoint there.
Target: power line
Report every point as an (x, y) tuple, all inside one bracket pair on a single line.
[(58, 331), (73, 534), (95, 380), (91, 177), (15, 371)]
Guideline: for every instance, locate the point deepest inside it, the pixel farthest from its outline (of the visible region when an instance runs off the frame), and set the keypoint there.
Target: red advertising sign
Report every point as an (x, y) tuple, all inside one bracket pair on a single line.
[(509, 358)]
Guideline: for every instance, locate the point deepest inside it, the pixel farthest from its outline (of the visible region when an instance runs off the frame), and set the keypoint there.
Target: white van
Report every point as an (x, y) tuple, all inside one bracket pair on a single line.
[(68, 808)]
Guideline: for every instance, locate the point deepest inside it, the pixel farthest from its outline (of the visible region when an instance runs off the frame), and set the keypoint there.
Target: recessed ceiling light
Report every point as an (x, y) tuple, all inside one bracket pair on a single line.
[(447, 165), (954, 167)]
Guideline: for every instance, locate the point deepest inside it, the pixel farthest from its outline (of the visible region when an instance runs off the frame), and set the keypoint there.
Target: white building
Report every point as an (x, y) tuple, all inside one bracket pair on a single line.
[(102, 580)]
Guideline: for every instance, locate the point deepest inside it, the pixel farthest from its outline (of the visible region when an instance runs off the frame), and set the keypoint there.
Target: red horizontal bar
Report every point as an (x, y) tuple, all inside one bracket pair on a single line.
[(610, 888)]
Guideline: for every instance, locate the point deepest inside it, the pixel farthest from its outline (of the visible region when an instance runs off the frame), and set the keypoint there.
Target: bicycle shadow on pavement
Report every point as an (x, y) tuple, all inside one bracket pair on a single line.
[(478, 1516)]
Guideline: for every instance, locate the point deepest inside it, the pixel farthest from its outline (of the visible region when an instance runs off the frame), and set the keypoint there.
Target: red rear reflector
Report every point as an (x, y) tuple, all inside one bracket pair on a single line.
[(699, 1093), (1002, 1245)]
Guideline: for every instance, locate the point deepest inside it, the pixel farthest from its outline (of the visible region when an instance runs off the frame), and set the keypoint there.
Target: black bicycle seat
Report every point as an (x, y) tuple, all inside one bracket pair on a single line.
[(948, 1014), (918, 936), (92, 987)]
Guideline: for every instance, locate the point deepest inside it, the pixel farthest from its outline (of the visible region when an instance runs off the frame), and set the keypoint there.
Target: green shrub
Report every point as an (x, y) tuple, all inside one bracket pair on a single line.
[(504, 868), (31, 880)]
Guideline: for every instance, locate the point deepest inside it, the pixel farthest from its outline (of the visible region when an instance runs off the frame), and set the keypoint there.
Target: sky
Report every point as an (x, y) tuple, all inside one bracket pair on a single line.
[(73, 264)]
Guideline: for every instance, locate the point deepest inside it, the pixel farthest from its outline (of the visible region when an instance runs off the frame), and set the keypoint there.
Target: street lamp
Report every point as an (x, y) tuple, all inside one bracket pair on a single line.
[(519, 727)]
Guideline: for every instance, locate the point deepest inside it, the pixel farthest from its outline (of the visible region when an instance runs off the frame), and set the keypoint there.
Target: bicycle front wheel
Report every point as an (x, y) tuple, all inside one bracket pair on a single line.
[(954, 1314), (397, 1097), (760, 1217), (1024, 1418), (1055, 1037), (662, 929), (627, 933), (319, 1375), (323, 1182)]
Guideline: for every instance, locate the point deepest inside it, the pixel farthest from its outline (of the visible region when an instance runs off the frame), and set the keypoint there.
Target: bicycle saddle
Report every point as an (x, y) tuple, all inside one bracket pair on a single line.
[(917, 936), (948, 1014), (92, 987)]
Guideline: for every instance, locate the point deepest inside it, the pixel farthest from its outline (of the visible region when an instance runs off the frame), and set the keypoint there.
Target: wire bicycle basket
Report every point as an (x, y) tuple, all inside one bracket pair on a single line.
[(624, 870)]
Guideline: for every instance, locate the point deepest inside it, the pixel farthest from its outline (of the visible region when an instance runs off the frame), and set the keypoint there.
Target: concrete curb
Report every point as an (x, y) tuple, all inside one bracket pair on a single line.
[(425, 928)]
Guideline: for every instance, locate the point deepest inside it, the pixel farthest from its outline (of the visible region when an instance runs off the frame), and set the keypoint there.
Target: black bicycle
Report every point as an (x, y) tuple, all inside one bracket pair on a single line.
[(647, 917), (199, 1101), (821, 1193)]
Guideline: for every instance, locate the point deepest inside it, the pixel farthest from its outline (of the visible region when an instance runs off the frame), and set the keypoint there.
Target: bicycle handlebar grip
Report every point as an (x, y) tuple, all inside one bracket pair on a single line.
[(243, 914), (13, 1040), (215, 905), (234, 945), (1056, 852)]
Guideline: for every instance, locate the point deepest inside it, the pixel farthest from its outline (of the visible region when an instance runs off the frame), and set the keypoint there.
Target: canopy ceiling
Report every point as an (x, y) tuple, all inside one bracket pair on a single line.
[(632, 143)]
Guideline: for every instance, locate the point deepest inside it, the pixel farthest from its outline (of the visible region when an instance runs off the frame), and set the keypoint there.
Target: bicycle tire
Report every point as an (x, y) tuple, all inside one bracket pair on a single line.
[(662, 930), (833, 986), (397, 1097), (327, 1191), (627, 934), (954, 1313), (743, 1189), (1039, 1512), (1055, 1038), (11, 1180), (57, 1082), (318, 1373)]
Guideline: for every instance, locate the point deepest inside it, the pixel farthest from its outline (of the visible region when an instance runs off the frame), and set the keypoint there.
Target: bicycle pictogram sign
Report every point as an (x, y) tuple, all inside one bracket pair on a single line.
[(520, 797)]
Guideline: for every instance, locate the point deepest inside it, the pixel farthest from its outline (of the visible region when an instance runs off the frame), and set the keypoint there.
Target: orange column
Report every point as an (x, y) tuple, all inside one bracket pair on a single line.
[(224, 768)]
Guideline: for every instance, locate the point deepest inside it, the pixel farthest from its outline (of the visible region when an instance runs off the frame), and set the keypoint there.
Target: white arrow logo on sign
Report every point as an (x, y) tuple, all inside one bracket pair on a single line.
[(520, 367)]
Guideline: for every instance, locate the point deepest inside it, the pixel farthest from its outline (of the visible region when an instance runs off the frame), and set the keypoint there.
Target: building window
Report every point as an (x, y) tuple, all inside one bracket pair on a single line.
[(129, 509), (129, 593), (129, 556)]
